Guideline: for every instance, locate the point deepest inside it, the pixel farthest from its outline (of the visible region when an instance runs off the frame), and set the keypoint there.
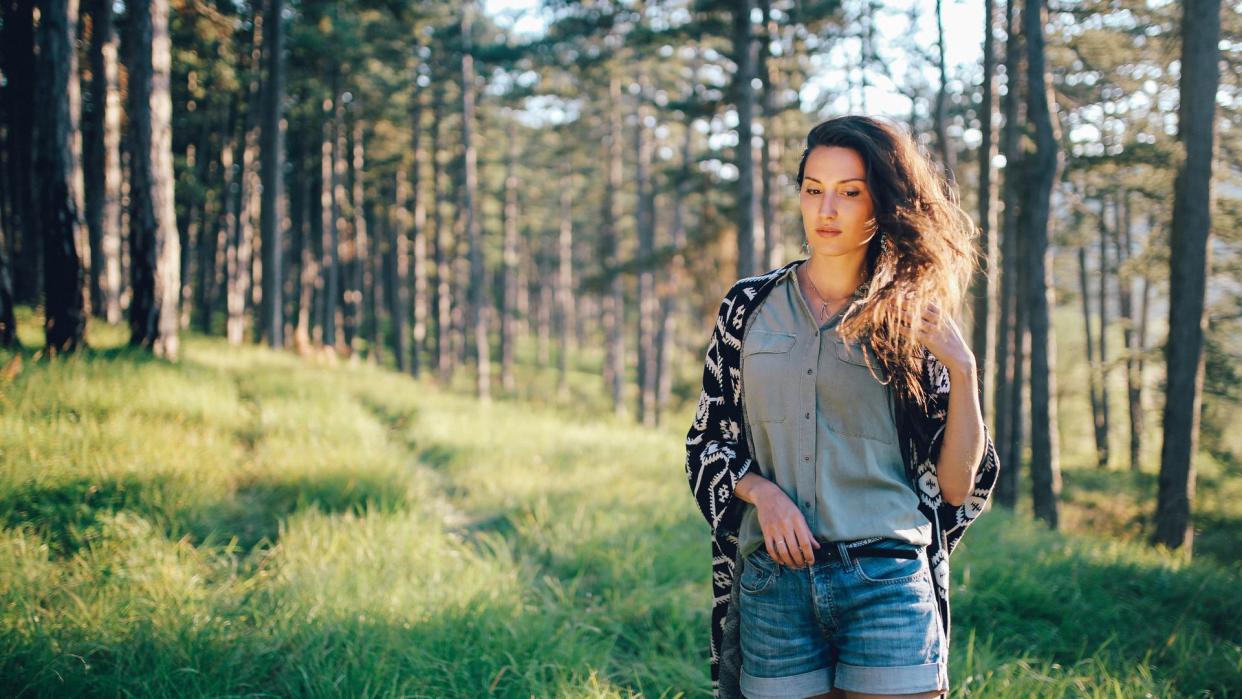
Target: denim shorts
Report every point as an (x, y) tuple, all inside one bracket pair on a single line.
[(861, 624)]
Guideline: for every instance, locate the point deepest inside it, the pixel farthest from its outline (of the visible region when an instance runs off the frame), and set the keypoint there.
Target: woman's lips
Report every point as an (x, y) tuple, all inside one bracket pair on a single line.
[(827, 231)]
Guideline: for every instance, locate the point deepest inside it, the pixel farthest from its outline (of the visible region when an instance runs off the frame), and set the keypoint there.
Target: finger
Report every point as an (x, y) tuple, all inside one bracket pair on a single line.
[(795, 549), (786, 557), (804, 545)]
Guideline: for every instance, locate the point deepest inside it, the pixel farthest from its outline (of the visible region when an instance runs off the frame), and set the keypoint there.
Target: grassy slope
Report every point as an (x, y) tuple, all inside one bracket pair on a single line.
[(250, 523)]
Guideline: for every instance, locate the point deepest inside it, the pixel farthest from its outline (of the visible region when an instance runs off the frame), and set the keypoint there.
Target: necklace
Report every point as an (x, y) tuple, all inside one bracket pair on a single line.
[(859, 292)]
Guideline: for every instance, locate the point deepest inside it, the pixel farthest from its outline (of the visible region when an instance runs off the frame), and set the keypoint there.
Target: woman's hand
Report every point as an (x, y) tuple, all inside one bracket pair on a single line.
[(941, 336), (785, 533)]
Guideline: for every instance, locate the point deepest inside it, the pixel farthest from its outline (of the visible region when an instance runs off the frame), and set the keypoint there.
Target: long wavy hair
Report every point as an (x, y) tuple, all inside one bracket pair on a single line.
[(929, 255)]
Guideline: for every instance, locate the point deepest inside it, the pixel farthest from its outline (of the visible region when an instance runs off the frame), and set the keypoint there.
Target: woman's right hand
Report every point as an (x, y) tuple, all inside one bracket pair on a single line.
[(785, 532)]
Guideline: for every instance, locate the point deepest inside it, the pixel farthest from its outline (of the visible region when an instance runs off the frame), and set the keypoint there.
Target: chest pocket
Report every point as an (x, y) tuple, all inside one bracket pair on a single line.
[(856, 403), (765, 368)]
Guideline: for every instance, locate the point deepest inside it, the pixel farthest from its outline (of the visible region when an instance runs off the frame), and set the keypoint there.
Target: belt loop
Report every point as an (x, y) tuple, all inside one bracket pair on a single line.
[(844, 552)]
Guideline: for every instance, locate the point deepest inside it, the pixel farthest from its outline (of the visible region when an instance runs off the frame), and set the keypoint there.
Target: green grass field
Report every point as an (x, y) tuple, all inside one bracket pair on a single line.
[(247, 522)]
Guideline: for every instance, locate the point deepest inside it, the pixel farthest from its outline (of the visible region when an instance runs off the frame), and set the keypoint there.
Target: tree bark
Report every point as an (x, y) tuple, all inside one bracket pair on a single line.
[(101, 131), (1093, 368), (508, 312), (272, 159), (418, 241), (1129, 333), (20, 74), (1010, 327), (947, 159), (985, 287), (648, 303), (614, 300), (1189, 265), (744, 100), (1041, 175), (58, 182), (154, 242), (479, 287), (1101, 429), (564, 283)]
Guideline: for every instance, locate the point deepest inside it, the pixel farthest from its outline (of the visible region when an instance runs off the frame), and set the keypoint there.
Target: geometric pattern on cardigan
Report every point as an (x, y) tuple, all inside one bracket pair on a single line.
[(717, 456)]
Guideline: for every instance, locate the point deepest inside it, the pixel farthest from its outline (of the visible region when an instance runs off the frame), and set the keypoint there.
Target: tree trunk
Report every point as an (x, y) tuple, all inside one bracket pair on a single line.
[(613, 301), (418, 241), (1129, 333), (359, 249), (154, 242), (1093, 367), (985, 286), (272, 159), (479, 287), (744, 97), (648, 304), (1189, 263), (770, 156), (399, 272), (330, 212), (1010, 328), (671, 295), (947, 159), (1101, 429), (565, 282), (445, 358), (239, 260), (101, 131), (20, 74), (1041, 175), (508, 320), (58, 182)]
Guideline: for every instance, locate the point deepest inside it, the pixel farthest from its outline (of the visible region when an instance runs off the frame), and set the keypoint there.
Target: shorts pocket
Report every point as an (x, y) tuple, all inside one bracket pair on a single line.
[(889, 570), (758, 572)]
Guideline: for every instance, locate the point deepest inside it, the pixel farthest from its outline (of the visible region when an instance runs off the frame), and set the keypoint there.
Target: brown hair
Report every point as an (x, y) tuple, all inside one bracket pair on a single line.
[(929, 256)]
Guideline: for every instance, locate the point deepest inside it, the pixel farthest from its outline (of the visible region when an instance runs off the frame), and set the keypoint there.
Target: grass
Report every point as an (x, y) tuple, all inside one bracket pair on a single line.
[(249, 523)]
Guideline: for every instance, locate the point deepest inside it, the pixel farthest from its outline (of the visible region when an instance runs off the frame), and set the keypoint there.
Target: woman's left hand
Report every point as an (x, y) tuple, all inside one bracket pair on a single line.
[(940, 335)]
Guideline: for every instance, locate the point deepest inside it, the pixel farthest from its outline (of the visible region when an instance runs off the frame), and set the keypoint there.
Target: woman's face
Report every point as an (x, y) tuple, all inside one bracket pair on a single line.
[(837, 209)]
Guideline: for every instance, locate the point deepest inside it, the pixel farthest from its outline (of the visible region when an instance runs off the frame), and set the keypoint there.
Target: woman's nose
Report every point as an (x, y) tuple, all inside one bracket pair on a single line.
[(828, 207)]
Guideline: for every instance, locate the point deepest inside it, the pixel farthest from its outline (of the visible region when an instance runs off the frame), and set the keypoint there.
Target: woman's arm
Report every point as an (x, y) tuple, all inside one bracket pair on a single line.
[(964, 440), (963, 444)]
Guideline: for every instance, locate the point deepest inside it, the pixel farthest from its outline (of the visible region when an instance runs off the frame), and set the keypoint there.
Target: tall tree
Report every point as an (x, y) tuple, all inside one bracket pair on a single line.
[(1011, 327), (744, 102), (985, 286), (1041, 174), (101, 130), (478, 276), (58, 179), (155, 249), (17, 39), (272, 159), (1188, 270)]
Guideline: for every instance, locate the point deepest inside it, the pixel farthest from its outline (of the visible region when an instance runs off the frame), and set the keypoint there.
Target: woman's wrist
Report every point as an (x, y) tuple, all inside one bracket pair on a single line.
[(753, 488)]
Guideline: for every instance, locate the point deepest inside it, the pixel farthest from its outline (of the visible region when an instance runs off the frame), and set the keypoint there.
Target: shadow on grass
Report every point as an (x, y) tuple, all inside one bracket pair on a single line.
[(70, 515)]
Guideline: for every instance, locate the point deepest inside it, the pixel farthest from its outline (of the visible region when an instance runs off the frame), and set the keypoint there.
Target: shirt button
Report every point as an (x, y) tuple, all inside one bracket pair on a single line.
[(806, 458), (809, 372), (808, 416)]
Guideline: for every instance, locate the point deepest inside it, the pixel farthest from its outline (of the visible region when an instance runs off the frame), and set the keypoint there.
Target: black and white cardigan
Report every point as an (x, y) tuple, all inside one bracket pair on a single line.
[(718, 455)]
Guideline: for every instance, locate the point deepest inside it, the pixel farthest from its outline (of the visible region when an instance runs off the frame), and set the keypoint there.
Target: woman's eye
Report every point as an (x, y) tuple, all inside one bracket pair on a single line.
[(812, 190), (851, 193)]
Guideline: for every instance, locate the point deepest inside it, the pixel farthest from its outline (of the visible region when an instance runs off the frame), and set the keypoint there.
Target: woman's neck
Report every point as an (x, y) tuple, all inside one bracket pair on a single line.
[(834, 278)]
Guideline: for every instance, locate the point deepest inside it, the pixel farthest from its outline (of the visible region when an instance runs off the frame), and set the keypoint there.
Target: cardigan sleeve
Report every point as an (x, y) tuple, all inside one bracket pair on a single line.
[(955, 518), (717, 455)]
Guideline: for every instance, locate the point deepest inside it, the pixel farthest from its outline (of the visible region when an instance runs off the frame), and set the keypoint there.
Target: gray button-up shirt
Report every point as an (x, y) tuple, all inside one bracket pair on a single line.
[(822, 427)]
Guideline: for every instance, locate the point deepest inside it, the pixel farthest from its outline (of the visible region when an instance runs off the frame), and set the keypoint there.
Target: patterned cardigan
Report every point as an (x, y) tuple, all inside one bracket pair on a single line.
[(718, 455)]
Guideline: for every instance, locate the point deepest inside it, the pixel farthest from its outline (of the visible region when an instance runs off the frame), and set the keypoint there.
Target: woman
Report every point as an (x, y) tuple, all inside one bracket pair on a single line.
[(838, 449)]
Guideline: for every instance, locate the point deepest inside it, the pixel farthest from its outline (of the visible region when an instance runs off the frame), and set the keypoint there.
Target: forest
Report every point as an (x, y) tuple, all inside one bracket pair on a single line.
[(537, 206)]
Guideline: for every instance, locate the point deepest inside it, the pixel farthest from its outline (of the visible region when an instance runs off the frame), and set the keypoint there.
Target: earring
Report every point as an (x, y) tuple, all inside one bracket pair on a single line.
[(806, 248)]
